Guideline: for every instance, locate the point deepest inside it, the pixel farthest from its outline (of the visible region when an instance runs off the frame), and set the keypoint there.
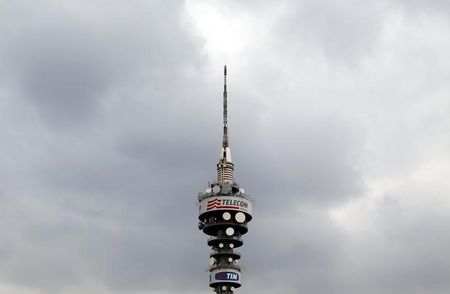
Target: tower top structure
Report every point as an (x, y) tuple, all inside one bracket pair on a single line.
[(224, 212)]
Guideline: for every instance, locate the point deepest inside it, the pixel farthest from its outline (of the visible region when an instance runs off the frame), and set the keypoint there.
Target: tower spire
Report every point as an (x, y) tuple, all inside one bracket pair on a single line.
[(225, 109), (225, 167)]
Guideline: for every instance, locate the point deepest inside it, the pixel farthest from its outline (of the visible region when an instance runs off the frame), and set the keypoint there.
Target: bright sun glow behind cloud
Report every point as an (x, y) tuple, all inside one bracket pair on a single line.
[(225, 35), (231, 34)]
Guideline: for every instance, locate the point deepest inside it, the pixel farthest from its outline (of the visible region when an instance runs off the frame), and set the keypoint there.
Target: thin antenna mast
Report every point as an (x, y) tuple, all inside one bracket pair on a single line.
[(225, 111)]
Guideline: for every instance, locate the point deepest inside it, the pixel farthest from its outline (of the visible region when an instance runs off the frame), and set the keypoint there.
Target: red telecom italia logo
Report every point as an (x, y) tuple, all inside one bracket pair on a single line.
[(225, 203)]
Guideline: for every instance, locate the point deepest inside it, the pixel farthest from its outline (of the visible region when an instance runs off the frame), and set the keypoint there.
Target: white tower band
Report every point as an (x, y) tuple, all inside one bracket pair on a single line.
[(224, 213)]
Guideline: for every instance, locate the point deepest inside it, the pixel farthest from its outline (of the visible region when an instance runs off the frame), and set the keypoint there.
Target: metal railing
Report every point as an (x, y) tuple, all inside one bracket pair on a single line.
[(225, 266), (225, 252)]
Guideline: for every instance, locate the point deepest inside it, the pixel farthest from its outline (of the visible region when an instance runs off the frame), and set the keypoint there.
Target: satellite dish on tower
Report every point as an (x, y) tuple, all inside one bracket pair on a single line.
[(240, 217), (229, 231), (226, 189), (216, 189), (226, 215)]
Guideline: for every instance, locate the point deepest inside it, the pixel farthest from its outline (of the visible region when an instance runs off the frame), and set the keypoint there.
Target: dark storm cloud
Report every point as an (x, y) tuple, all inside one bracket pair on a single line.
[(66, 63), (60, 69), (83, 203)]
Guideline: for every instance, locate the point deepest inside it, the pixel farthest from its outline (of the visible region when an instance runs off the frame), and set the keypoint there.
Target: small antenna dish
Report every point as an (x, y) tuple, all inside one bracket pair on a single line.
[(208, 190), (240, 217), (226, 189), (226, 216), (216, 189), (229, 231)]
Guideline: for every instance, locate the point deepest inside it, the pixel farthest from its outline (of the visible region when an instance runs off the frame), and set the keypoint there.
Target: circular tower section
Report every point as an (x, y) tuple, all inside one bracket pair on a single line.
[(224, 214)]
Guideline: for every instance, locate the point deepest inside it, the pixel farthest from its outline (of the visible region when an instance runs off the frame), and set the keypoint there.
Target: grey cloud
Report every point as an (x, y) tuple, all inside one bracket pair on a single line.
[(426, 8), (407, 254), (110, 200), (83, 192), (67, 64), (320, 165), (299, 261), (402, 252), (344, 31)]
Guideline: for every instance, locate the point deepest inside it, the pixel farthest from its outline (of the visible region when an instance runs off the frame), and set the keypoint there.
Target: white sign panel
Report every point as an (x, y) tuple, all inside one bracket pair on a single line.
[(225, 203)]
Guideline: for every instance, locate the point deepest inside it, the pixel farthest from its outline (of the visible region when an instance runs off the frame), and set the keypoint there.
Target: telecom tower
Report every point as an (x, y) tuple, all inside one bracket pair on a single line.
[(224, 213)]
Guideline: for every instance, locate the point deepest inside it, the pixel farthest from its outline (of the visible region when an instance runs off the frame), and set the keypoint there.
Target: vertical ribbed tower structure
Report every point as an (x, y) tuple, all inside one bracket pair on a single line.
[(224, 213)]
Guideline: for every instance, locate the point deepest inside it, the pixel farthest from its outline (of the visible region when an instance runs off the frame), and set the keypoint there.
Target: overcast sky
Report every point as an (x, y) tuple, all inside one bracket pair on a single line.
[(339, 119)]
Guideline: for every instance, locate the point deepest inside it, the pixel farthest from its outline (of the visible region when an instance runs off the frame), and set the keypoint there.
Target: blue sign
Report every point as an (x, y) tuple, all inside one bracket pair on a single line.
[(227, 276)]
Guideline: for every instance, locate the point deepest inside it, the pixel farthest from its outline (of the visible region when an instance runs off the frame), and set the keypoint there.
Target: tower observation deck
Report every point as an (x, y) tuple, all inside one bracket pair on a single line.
[(224, 213)]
